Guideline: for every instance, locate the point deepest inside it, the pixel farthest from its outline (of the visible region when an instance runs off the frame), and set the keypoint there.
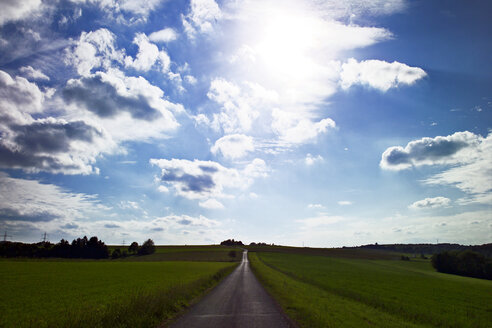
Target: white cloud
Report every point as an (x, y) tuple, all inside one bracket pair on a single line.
[(456, 148), (294, 129), (206, 179), (45, 144), (13, 10), (344, 202), (129, 108), (93, 50), (237, 113), (164, 35), (311, 160), (473, 174), (212, 204), (148, 54), (430, 203), (378, 74), (469, 154), (136, 9), (33, 73), (202, 16), (190, 79), (30, 200), (233, 146), (316, 206), (185, 220)]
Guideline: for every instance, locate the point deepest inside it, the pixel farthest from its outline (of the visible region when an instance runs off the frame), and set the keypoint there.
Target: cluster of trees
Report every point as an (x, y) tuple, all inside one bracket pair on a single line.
[(232, 242), (92, 248), (466, 263), (260, 244), (84, 248), (148, 247)]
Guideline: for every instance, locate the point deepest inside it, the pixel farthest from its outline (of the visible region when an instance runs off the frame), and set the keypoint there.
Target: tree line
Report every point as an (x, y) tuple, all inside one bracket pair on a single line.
[(465, 263), (84, 248)]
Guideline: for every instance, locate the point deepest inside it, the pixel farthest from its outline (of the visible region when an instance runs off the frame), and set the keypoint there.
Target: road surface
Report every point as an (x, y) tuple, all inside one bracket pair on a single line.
[(238, 301)]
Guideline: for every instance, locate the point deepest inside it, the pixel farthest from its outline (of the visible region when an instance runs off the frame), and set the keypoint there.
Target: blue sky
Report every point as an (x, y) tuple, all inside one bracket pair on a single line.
[(317, 123)]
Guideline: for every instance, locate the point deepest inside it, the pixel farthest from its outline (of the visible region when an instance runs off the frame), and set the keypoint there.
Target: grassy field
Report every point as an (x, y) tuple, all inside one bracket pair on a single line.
[(321, 291), (187, 253), (84, 293)]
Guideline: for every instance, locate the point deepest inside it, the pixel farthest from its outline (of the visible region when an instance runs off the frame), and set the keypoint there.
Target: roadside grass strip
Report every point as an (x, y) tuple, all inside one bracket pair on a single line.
[(319, 291), (41, 294)]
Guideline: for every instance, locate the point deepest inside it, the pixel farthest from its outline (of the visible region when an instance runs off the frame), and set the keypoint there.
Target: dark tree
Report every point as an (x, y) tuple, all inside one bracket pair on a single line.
[(231, 242), (133, 249), (147, 248), (116, 253)]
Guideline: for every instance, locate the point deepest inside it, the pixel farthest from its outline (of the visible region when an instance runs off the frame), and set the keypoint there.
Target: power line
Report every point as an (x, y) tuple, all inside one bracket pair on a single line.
[(5, 236)]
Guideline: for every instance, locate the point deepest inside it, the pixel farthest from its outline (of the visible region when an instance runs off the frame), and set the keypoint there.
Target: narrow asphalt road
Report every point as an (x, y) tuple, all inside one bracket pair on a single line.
[(238, 301)]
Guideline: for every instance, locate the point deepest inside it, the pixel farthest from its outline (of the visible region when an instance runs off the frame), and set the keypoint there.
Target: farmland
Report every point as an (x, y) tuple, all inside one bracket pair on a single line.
[(133, 292), (324, 291)]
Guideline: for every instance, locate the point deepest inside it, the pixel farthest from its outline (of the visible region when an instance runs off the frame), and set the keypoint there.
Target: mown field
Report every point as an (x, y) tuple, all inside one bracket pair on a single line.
[(105, 293), (322, 291)]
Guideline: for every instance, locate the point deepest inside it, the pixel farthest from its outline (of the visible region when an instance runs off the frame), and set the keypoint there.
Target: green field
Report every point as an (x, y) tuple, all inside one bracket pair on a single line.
[(321, 291), (104, 293), (188, 253)]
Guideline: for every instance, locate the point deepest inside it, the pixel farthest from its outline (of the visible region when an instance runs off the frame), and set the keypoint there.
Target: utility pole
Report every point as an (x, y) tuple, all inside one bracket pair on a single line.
[(44, 237)]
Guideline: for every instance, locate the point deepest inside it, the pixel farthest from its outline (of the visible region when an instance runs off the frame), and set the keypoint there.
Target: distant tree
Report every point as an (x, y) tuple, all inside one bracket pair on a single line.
[(232, 254), (116, 253), (231, 242), (147, 247), (133, 249)]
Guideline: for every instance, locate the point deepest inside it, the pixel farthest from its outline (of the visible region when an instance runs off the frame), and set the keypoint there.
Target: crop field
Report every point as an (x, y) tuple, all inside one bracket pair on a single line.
[(190, 253), (85, 293), (321, 291)]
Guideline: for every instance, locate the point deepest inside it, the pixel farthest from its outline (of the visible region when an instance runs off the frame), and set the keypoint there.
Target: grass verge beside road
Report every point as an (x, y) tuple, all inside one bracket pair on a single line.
[(318, 291)]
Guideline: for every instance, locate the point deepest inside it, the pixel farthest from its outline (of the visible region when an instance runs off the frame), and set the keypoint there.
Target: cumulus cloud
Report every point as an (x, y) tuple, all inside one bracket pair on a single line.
[(13, 10), (469, 154), (136, 9), (238, 104), (95, 49), (311, 160), (201, 17), (473, 174), (30, 200), (344, 202), (450, 149), (33, 73), (430, 203), (148, 55), (44, 144), (165, 35), (104, 95), (378, 74), (129, 108), (233, 146), (205, 180), (295, 129), (212, 204)]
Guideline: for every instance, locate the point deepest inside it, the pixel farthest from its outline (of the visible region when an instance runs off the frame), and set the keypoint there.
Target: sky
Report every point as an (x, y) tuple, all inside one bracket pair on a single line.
[(308, 122)]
